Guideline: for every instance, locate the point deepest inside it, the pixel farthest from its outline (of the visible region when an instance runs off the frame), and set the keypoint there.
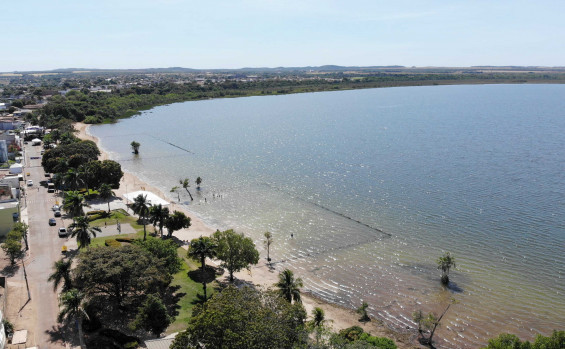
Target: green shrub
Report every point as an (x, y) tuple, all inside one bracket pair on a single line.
[(90, 213), (128, 240), (94, 217), (112, 242)]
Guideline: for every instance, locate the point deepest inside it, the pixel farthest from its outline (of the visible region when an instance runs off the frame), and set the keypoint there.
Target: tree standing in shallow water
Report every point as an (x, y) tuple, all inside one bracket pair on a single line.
[(135, 146), (445, 263)]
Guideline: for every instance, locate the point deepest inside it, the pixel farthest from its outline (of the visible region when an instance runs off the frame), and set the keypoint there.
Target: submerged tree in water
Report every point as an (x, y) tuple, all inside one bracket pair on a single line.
[(445, 263)]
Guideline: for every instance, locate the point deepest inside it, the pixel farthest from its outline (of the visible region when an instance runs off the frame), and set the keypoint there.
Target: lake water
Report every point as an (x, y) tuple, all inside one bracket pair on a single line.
[(374, 185)]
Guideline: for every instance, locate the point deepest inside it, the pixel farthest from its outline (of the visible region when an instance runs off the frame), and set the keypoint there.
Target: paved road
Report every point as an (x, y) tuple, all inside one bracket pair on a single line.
[(45, 249)]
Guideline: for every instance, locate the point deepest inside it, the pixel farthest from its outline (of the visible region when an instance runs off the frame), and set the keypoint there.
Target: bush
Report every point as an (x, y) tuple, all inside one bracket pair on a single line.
[(94, 217), (119, 337), (95, 212), (112, 242), (128, 240)]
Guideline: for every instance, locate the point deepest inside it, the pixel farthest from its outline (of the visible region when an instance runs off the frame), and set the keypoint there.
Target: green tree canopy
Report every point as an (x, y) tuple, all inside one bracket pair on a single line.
[(177, 221), (152, 316), (120, 275), (73, 203), (140, 207), (202, 248), (235, 251), (445, 263), (82, 230), (289, 287), (245, 319), (72, 155), (165, 250), (62, 272)]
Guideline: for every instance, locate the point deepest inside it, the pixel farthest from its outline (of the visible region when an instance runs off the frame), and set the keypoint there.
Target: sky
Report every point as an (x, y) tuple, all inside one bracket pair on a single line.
[(206, 34)]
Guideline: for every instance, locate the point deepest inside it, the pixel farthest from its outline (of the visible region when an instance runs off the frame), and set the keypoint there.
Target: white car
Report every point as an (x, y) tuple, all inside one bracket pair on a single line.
[(62, 232), (29, 183), (56, 208)]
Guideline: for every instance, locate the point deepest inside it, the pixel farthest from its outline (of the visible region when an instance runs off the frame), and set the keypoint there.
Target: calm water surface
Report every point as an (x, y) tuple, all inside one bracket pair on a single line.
[(375, 185)]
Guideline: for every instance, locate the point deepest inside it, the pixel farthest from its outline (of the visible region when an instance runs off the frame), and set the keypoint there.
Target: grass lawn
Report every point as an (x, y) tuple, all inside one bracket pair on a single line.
[(190, 288)]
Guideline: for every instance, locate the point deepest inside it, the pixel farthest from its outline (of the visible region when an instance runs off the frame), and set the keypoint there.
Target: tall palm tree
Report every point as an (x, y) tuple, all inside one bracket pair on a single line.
[(73, 179), (186, 184), (73, 203), (445, 263), (73, 309), (58, 180), (140, 207), (268, 241), (318, 320), (82, 230), (105, 192), (158, 216), (61, 272), (289, 288), (201, 248)]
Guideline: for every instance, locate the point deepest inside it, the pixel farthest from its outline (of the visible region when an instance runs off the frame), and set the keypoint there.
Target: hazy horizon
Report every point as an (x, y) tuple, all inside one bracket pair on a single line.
[(264, 33)]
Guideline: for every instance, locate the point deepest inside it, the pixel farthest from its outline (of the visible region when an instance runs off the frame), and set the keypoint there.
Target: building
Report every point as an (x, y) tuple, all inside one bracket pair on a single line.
[(9, 209), (3, 151)]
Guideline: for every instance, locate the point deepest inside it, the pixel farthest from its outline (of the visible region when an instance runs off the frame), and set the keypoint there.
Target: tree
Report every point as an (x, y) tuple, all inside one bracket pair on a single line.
[(430, 323), (140, 207), (82, 230), (73, 203), (111, 173), (152, 316), (289, 288), (445, 263), (73, 179), (245, 319), (72, 308), (135, 146), (62, 272), (175, 189), (71, 155), (105, 192), (13, 248), (23, 229), (317, 323), (202, 248), (186, 184), (510, 341), (120, 276), (235, 251), (268, 241), (177, 221), (362, 310), (198, 182), (165, 250), (158, 216)]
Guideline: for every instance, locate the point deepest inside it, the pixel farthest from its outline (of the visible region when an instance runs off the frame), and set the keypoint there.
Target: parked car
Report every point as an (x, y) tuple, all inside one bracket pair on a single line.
[(29, 183), (48, 175), (62, 232), (56, 208), (52, 221), (57, 213)]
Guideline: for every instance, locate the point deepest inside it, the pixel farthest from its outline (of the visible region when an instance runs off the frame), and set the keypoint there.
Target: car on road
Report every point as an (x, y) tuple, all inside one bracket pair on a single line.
[(29, 183), (62, 232), (52, 221), (56, 208), (48, 174), (57, 213)]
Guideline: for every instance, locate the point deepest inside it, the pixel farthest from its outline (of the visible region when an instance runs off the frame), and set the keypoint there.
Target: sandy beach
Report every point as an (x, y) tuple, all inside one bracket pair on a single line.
[(260, 274)]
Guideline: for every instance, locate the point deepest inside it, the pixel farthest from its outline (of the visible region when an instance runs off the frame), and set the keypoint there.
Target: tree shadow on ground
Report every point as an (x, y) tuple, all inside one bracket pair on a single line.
[(208, 275), (64, 333), (10, 270), (171, 300), (453, 287)]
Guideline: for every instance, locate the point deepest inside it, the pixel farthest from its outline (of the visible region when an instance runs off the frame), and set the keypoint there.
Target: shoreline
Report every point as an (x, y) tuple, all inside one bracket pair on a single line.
[(260, 274)]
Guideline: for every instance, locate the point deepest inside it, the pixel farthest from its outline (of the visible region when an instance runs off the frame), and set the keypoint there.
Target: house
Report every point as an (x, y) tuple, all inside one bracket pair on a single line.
[(9, 209), (3, 151)]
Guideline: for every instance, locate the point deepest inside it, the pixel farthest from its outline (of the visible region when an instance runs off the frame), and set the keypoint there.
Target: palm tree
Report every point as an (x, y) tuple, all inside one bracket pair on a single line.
[(175, 189), (73, 179), (62, 272), (140, 207), (289, 288), (73, 203), (82, 230), (58, 180), (201, 248), (158, 216), (135, 146), (445, 263), (72, 309), (186, 184), (105, 192), (268, 241), (198, 181), (318, 320)]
